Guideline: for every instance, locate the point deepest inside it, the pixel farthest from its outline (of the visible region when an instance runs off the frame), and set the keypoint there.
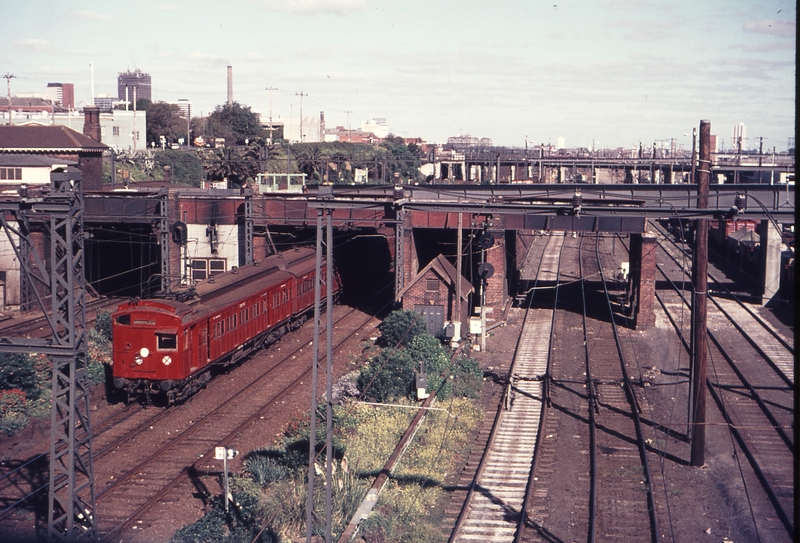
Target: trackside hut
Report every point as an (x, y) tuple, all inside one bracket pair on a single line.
[(432, 292)]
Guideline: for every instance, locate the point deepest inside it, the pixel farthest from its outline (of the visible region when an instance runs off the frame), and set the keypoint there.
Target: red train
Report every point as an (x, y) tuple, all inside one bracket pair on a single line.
[(167, 348)]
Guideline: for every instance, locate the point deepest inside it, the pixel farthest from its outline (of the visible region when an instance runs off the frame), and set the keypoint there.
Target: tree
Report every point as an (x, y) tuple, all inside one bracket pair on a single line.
[(185, 167), (403, 158), (400, 327), (165, 120), (235, 123), (229, 163)]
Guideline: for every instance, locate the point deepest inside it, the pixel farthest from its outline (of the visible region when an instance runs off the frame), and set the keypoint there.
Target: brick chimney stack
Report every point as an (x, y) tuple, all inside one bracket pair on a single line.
[(91, 122)]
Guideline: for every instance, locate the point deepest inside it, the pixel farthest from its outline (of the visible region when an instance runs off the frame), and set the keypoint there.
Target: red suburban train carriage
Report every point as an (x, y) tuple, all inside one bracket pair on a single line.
[(166, 347)]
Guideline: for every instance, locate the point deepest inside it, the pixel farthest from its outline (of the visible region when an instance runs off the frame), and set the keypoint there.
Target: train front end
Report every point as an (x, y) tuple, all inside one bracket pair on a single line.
[(148, 352)]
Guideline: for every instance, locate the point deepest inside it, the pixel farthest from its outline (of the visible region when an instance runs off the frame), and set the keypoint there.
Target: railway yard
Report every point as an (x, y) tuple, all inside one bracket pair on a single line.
[(585, 425)]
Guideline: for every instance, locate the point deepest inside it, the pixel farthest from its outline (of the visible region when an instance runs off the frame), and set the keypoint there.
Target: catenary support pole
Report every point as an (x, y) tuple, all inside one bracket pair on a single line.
[(329, 368), (699, 305), (312, 433)]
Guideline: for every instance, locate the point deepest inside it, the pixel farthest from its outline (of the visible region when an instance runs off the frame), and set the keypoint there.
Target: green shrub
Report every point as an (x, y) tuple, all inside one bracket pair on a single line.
[(400, 327), (264, 467), (429, 351), (13, 404), (467, 378), (388, 376), (17, 371), (102, 324)]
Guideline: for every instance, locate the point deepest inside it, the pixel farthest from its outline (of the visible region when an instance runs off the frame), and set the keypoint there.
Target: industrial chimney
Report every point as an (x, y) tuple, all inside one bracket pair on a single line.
[(230, 85)]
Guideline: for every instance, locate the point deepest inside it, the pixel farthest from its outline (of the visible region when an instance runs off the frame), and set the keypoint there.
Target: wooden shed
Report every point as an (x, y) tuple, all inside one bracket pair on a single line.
[(432, 292)]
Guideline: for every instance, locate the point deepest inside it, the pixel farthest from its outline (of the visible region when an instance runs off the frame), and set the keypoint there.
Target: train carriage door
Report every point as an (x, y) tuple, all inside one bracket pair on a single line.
[(200, 356)]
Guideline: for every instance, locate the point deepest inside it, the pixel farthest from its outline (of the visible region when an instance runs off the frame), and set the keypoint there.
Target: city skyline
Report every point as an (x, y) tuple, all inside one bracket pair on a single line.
[(608, 74)]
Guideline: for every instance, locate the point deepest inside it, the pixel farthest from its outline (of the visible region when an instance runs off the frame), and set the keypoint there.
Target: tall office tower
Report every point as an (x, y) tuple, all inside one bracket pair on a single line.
[(134, 80), (62, 94), (739, 131)]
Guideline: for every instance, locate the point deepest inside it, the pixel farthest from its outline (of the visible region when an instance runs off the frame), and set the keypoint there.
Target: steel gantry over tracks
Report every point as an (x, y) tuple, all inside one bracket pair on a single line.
[(57, 282)]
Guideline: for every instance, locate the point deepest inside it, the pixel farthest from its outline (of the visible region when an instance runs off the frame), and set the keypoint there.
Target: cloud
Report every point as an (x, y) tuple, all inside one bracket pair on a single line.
[(166, 7), (785, 29), (768, 47), (93, 16), (316, 7), (34, 44)]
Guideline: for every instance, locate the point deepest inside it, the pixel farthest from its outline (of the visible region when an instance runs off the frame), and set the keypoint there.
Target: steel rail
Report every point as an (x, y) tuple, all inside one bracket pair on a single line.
[(170, 485), (642, 445), (546, 405), (746, 382), (744, 306), (459, 524)]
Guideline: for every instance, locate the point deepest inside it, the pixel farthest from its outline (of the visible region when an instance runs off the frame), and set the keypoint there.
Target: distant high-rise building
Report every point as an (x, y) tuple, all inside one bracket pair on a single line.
[(185, 106), (104, 102), (739, 136), (62, 94), (134, 80)]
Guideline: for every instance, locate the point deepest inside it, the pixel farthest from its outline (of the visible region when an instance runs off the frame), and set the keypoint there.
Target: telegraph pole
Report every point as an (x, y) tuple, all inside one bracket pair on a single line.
[(699, 305), (301, 94), (270, 89), (8, 77)]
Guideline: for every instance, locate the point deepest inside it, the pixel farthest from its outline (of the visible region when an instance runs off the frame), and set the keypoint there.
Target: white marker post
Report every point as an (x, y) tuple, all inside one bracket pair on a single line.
[(223, 453)]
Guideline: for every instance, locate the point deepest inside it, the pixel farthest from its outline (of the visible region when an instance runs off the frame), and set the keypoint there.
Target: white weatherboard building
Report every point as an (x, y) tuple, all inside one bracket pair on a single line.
[(118, 128)]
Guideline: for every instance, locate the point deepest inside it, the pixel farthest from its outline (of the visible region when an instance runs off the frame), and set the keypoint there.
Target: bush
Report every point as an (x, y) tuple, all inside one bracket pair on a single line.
[(17, 371), (264, 467), (102, 324), (467, 378), (388, 376), (13, 404), (427, 349), (401, 327)]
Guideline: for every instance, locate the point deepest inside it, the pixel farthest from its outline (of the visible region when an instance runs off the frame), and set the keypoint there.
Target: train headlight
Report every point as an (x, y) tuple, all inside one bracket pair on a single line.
[(144, 352), (138, 359), (167, 360)]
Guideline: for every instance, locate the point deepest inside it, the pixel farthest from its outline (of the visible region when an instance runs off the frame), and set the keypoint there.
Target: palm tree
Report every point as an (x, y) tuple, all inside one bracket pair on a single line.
[(231, 164)]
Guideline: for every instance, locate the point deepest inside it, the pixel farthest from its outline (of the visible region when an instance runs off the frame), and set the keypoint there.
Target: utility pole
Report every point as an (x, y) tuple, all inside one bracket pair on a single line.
[(270, 89), (700, 302), (348, 124), (8, 77), (301, 94)]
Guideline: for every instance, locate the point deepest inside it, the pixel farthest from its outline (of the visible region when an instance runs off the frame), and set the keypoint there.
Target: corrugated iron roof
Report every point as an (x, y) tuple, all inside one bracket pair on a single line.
[(32, 138), (19, 160)]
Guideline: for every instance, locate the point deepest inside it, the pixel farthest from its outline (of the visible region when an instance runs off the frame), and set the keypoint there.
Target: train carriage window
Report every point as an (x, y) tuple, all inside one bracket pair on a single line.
[(285, 296), (124, 319), (167, 342)]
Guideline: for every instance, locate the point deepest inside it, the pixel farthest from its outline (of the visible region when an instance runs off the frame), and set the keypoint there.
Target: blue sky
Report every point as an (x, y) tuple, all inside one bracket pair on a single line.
[(612, 72)]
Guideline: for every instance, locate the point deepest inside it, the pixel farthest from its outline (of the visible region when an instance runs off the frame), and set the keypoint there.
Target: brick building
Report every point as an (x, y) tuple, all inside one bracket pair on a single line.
[(432, 292), (59, 142)]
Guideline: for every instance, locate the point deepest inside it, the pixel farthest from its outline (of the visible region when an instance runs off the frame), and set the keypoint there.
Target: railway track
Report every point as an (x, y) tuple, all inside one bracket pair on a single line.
[(753, 388), (35, 324), (493, 507), (181, 440), (604, 491), (621, 477), (181, 453)]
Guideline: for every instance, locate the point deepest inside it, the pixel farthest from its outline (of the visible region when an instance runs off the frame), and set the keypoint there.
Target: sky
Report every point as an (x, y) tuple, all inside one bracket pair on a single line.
[(594, 72)]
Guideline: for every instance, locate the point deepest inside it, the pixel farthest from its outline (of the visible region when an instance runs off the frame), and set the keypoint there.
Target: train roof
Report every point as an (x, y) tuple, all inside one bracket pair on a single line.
[(221, 290)]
